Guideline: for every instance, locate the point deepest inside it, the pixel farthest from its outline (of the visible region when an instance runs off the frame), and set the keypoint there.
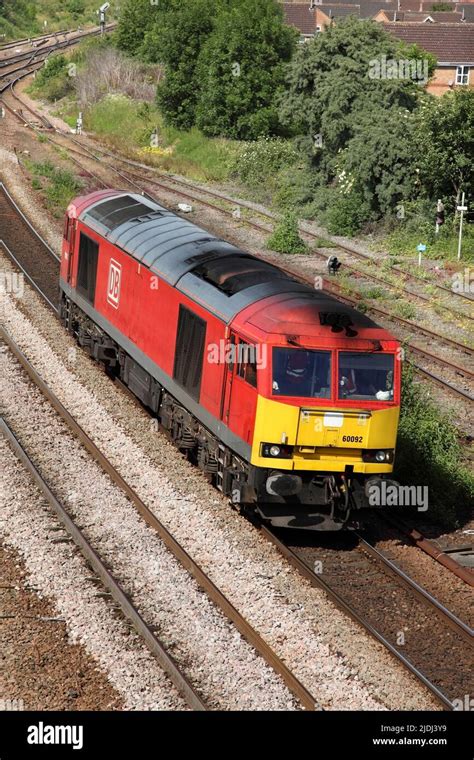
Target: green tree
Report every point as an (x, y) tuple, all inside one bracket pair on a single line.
[(331, 79), (136, 19), (241, 70), (445, 145), (19, 12), (351, 98), (379, 160), (176, 41)]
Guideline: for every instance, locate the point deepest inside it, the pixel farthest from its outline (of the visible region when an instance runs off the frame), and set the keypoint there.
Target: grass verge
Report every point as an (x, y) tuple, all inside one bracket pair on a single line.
[(429, 453)]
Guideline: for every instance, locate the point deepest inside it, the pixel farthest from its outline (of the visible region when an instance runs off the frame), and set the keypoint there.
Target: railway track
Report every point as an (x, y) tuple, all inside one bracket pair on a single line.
[(420, 632), (307, 700), (28, 251), (288, 551), (31, 40), (429, 547), (112, 586)]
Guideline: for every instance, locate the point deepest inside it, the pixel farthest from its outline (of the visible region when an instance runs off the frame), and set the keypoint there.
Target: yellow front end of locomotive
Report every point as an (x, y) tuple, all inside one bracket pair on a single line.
[(324, 439)]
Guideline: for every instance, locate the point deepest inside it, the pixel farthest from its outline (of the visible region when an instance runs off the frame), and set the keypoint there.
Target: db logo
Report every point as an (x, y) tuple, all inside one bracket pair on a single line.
[(113, 289)]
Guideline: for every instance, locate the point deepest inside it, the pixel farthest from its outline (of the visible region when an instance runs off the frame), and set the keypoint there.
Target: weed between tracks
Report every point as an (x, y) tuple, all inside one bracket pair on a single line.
[(58, 185)]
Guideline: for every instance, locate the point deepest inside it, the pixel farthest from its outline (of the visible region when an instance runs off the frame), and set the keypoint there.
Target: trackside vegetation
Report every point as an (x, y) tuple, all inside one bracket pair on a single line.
[(429, 452), (26, 17)]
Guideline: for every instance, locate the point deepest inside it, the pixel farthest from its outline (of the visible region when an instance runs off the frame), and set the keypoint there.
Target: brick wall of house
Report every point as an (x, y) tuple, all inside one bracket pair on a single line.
[(439, 84)]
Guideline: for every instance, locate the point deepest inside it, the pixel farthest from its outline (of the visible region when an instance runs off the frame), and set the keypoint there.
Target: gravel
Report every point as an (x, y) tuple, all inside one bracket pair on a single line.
[(58, 572), (340, 664), (213, 654), (40, 668)]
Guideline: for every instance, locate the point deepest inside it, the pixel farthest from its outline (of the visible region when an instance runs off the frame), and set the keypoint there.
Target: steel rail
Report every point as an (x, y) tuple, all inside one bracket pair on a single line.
[(345, 607), (29, 40), (165, 660), (20, 213), (457, 625), (431, 549), (28, 277), (243, 626)]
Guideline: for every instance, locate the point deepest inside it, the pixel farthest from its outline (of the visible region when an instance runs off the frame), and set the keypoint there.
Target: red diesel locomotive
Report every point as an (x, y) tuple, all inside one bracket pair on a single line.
[(286, 397)]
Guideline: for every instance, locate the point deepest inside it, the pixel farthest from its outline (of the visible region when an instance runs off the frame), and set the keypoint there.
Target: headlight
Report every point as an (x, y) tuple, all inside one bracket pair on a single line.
[(377, 455), (277, 451)]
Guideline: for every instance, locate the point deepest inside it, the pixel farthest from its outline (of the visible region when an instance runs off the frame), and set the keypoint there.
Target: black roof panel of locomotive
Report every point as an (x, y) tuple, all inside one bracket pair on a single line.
[(115, 212), (236, 272), (209, 270)]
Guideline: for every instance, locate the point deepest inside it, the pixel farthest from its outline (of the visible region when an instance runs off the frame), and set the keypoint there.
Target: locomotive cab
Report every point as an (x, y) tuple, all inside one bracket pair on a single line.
[(326, 415)]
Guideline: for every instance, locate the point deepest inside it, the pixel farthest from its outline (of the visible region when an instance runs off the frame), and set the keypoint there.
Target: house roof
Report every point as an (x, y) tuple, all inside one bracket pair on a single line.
[(468, 11), (369, 8), (300, 16), (446, 16), (450, 43), (338, 10)]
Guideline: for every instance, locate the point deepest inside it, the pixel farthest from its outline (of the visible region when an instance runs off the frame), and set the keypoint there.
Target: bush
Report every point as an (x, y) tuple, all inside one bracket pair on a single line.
[(76, 8), (258, 162), (286, 237), (347, 214), (404, 309), (428, 453), (52, 82)]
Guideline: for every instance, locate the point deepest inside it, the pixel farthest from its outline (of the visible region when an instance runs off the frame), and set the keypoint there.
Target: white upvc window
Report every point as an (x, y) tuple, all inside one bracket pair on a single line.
[(462, 74)]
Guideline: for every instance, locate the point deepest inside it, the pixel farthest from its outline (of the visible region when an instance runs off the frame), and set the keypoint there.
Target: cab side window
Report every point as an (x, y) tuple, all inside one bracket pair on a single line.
[(247, 363)]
